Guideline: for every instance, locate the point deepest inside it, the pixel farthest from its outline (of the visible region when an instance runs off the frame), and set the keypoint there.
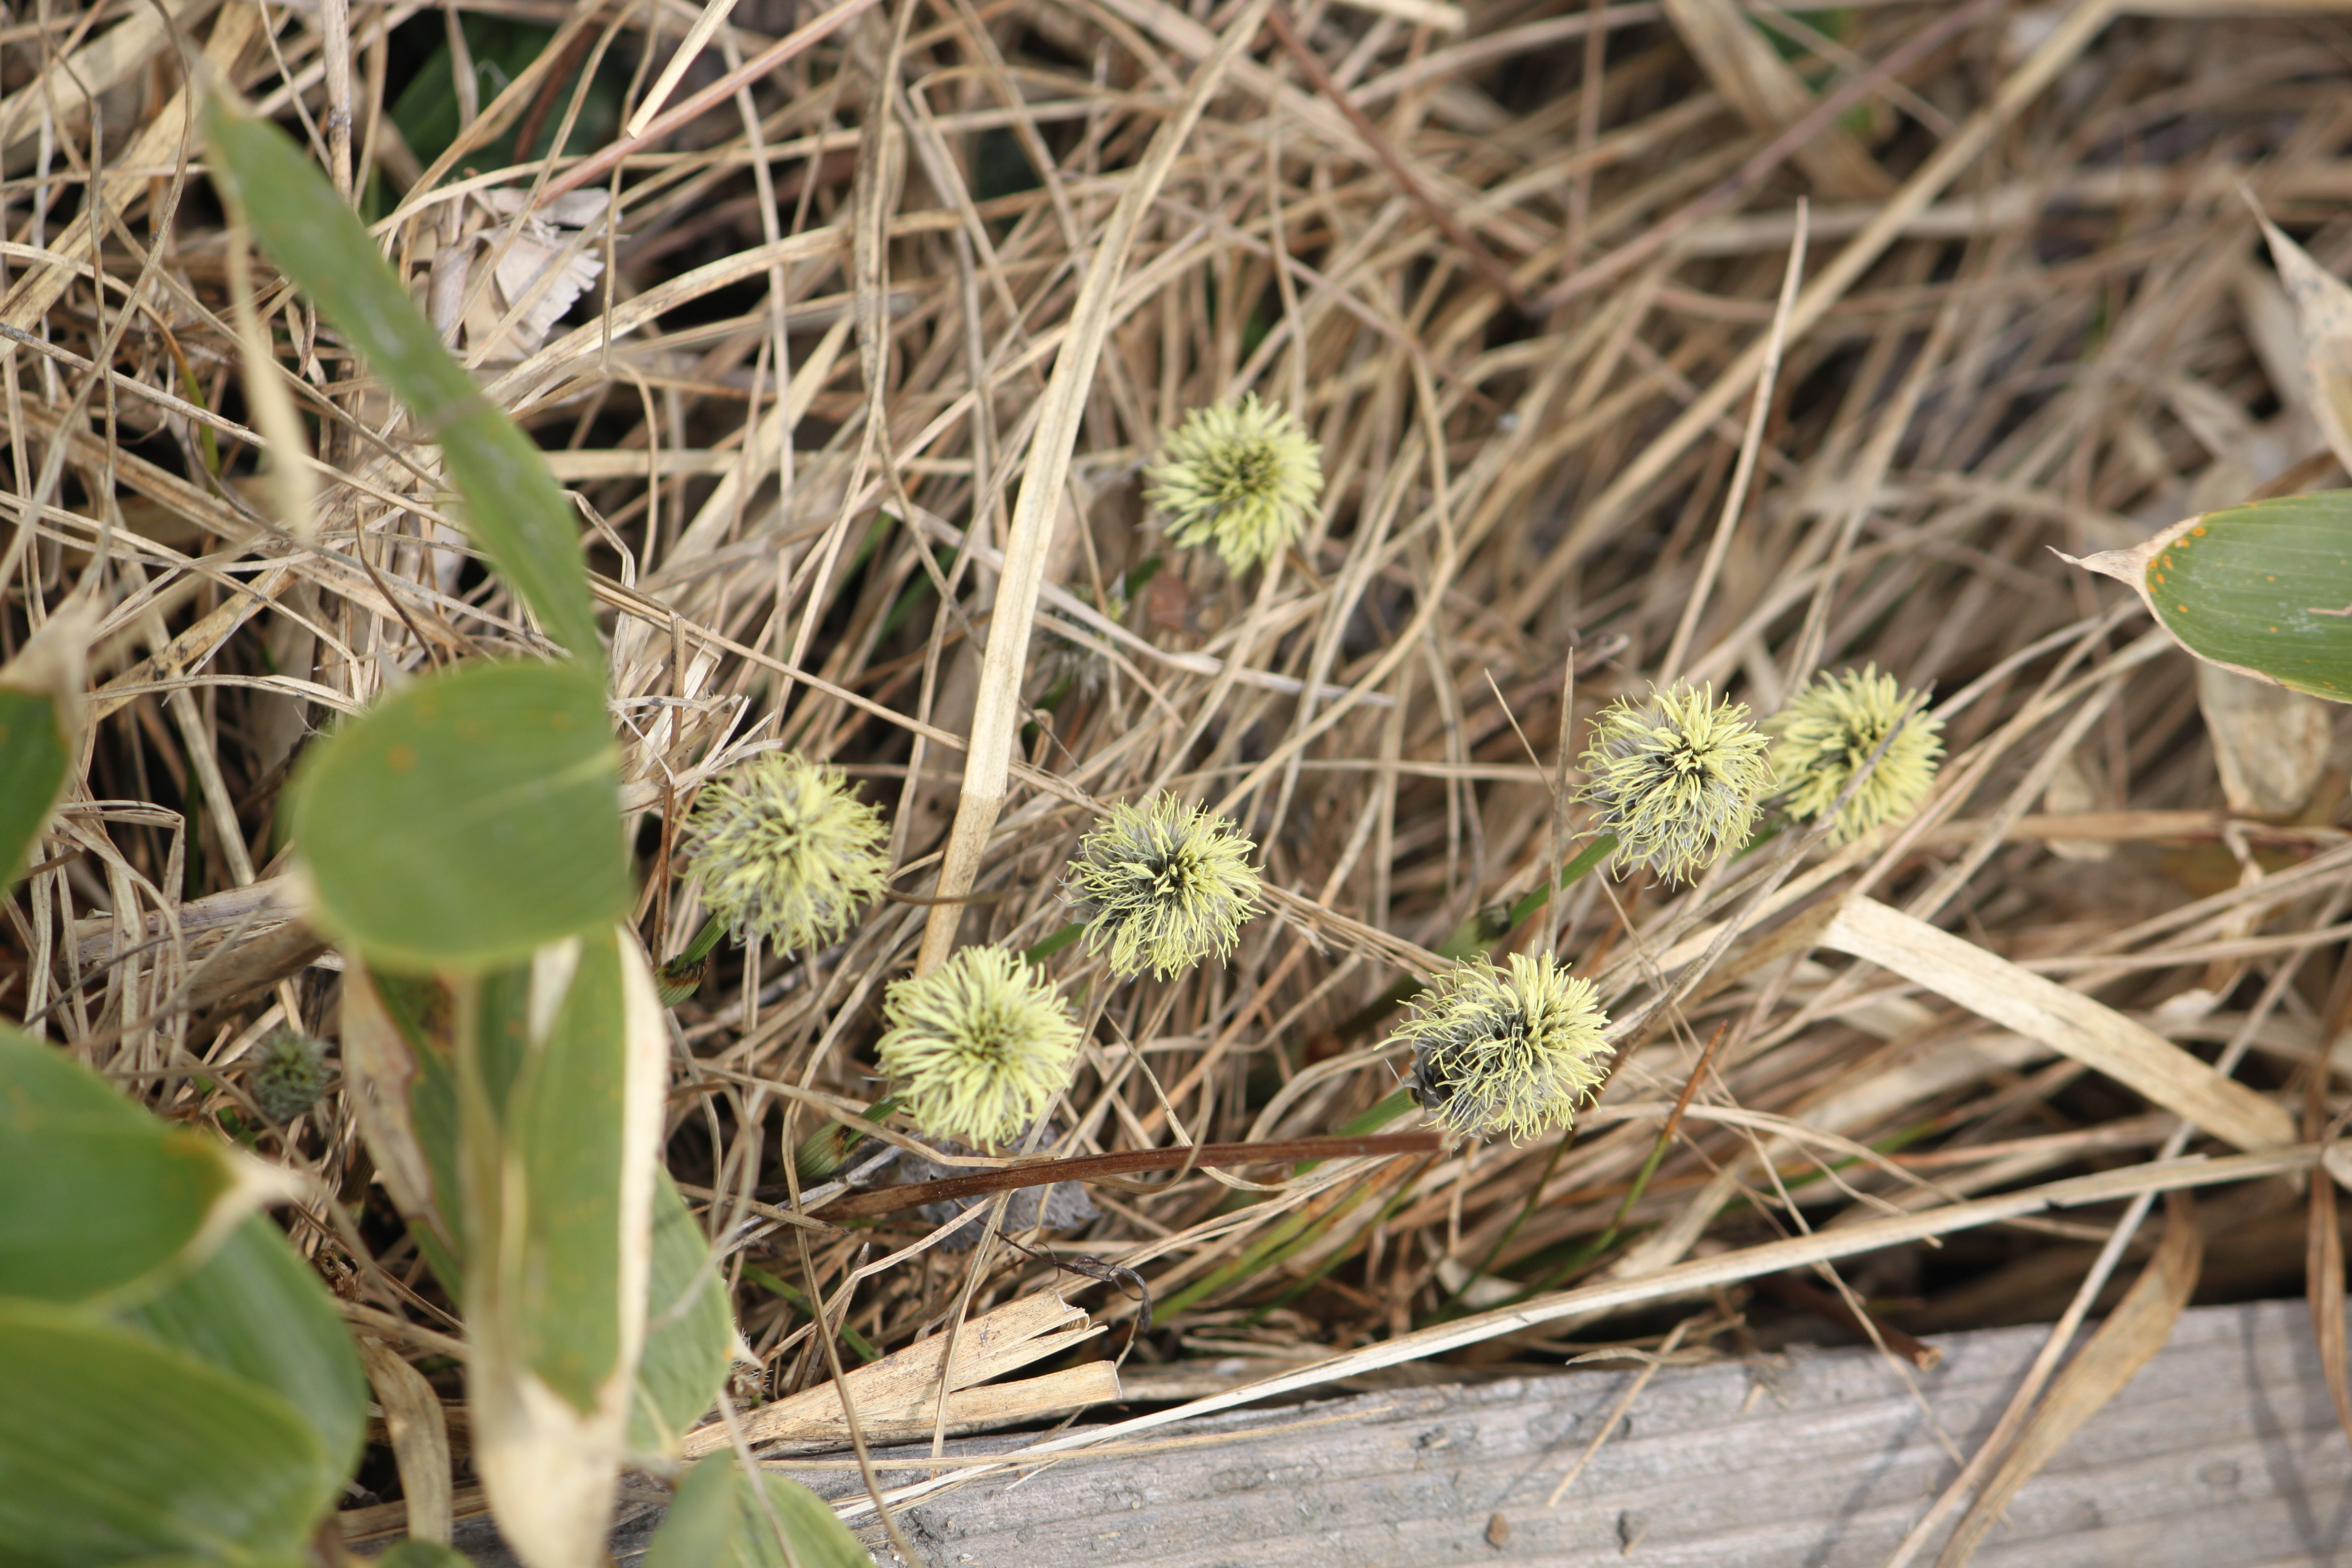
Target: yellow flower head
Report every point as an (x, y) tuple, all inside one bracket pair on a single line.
[(1828, 733), (1163, 884), (978, 1046), (1513, 1052), (1675, 778), (290, 1073), (785, 850), (1240, 475)]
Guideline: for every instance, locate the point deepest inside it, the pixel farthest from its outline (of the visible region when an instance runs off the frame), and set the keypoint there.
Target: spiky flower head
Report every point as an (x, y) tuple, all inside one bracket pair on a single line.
[(290, 1073), (1241, 475), (1829, 732), (1163, 884), (785, 850), (978, 1046), (1676, 777), (1506, 1051)]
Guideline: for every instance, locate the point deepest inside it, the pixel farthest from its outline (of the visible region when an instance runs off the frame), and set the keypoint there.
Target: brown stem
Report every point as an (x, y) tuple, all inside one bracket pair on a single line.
[(1086, 1167)]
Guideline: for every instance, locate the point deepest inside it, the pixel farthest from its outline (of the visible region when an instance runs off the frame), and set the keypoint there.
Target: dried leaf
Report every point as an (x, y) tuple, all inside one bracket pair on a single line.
[(2323, 309), (420, 1438)]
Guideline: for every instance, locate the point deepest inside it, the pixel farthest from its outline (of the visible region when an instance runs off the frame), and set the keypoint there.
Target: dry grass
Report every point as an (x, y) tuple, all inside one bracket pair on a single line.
[(1523, 285)]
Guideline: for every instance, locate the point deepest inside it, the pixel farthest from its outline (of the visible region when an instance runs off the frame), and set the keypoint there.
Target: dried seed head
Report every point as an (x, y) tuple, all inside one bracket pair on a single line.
[(978, 1046), (1829, 732), (785, 850), (290, 1073), (1163, 884), (1241, 475), (1513, 1052), (1677, 778)]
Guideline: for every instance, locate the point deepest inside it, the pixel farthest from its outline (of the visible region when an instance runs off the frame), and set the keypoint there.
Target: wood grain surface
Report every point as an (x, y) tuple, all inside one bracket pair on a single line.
[(2223, 1453)]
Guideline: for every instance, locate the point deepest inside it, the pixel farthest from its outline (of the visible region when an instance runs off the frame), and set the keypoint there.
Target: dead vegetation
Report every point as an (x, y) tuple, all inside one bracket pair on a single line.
[(1641, 339)]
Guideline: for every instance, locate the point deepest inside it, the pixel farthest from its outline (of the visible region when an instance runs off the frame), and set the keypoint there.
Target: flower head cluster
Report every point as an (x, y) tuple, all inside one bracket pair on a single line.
[(978, 1046), (1506, 1051), (785, 851), (1675, 778), (1241, 475), (1163, 884), (290, 1073), (1829, 732)]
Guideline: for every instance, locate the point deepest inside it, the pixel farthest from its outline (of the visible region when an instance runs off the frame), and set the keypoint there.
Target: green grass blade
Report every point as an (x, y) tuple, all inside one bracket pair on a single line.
[(512, 505)]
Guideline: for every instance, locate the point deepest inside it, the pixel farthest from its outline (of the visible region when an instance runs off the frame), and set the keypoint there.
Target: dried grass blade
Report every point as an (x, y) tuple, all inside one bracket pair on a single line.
[(996, 717), (420, 1438), (2066, 1021), (2136, 1331)]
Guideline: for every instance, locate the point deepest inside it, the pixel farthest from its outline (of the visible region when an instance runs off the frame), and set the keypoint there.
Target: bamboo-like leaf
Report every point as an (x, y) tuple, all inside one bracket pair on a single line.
[(114, 1449), (2265, 589), (715, 1521), (256, 1310), (100, 1197), (40, 727), (558, 1163), (689, 1333), (466, 820), (512, 505)]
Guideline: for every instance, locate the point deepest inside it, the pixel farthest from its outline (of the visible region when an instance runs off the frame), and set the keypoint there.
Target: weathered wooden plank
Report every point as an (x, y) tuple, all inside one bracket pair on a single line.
[(2223, 1453)]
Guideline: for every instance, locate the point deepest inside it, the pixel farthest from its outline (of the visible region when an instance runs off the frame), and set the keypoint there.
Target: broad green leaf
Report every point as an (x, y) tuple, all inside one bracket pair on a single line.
[(558, 1184), (467, 820), (715, 1521), (689, 1333), (99, 1195), (512, 505), (2265, 589), (255, 1309), (114, 1449), (40, 721)]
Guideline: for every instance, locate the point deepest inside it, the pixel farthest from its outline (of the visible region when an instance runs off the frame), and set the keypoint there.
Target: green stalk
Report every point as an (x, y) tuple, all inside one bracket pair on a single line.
[(681, 977)]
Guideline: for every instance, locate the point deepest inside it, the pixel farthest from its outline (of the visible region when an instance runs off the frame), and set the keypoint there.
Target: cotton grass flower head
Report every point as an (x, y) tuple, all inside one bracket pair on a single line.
[(1829, 732), (786, 852), (1677, 778), (1241, 476), (1510, 1051), (978, 1046), (290, 1073), (1163, 884)]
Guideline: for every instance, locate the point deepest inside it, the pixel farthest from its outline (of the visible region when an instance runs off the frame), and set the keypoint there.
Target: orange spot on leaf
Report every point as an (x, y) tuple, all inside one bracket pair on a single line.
[(401, 759)]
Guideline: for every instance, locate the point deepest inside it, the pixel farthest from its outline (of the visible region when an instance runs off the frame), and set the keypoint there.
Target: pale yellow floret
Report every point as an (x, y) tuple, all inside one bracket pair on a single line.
[(1163, 885), (786, 852), (1244, 477), (1675, 778), (1828, 734), (1510, 1051), (979, 1047)]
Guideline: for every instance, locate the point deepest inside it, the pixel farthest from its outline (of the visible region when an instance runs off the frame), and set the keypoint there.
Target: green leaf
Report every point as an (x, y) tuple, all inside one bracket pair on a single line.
[(114, 1449), (32, 761), (2265, 589), (468, 819), (558, 1188), (256, 1310), (40, 723), (715, 1521), (99, 1193), (421, 1554), (512, 505), (689, 1333)]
